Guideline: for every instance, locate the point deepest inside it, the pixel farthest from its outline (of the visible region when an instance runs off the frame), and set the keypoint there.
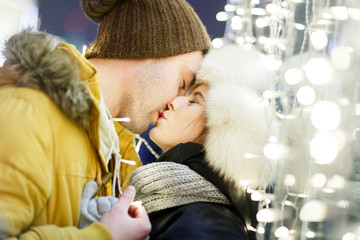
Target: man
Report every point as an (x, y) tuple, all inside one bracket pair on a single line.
[(58, 111)]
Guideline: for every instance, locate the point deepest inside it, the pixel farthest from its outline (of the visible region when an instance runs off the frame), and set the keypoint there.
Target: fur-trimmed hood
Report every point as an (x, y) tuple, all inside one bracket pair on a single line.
[(33, 62), (236, 119)]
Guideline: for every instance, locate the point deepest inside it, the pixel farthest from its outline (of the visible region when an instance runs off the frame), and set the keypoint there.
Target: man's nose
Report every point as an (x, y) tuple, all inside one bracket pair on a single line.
[(177, 103)]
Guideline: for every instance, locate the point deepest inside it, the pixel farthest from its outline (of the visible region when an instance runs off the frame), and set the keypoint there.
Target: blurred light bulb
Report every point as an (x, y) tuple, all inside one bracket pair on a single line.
[(328, 190), (336, 182), (325, 115), (84, 50), (236, 23), (354, 13), (290, 180), (324, 148), (293, 76), (222, 16), (273, 8), (240, 11), (318, 180), (281, 232), (244, 182), (302, 195), (217, 42), (269, 94), (230, 7), (299, 26), (319, 40), (261, 22), (273, 139), (349, 236), (306, 95), (341, 57), (340, 12), (285, 12), (256, 196), (357, 109), (313, 211), (267, 215), (274, 151), (250, 39), (318, 71), (284, 4), (258, 11), (261, 230), (327, 15), (263, 40), (344, 101), (310, 234), (271, 63), (343, 204), (240, 40)]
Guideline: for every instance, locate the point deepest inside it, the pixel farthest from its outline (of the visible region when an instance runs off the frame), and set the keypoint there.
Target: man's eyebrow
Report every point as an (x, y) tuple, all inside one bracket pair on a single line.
[(193, 81)]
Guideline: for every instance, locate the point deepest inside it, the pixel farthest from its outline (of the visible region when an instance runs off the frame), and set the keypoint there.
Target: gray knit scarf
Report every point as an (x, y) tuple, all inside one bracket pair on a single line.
[(163, 185)]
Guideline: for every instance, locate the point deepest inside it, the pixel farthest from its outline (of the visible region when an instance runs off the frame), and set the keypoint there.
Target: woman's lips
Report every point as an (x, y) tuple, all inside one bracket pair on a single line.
[(161, 116)]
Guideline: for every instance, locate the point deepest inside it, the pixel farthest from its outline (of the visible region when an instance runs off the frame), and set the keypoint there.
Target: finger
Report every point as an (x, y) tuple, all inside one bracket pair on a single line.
[(132, 211), (113, 200), (126, 199), (92, 208), (137, 211), (146, 238), (89, 190), (103, 205)]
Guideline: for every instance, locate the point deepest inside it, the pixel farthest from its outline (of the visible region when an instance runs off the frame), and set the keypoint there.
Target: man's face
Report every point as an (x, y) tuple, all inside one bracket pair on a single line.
[(159, 83)]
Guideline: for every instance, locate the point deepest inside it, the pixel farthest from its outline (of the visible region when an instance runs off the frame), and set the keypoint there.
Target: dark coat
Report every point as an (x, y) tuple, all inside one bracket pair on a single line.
[(204, 220)]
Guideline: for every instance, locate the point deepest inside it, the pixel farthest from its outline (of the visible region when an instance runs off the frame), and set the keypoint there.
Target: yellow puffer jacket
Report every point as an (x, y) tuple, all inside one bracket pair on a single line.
[(49, 146)]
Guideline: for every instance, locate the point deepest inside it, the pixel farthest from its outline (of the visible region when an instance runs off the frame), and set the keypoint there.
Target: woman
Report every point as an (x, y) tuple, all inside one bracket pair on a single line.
[(197, 188)]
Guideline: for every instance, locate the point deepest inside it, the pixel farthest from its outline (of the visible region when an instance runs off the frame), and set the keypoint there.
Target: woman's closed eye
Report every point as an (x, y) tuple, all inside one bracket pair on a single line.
[(194, 101)]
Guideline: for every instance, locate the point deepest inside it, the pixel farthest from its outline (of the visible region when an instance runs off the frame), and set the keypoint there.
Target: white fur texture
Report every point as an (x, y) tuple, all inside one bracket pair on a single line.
[(236, 118), (234, 64)]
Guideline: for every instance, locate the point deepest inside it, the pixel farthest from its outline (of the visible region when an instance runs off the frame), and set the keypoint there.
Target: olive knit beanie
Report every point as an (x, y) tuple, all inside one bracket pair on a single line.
[(130, 29)]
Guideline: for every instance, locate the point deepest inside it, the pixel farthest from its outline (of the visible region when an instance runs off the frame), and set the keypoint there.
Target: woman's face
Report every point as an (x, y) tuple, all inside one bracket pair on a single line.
[(184, 121)]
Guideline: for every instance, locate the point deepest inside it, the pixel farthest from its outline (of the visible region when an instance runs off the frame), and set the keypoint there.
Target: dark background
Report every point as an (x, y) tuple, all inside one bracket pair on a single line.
[(66, 20)]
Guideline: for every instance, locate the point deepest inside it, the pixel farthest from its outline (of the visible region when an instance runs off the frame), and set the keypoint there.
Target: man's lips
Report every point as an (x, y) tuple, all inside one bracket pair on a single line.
[(161, 115)]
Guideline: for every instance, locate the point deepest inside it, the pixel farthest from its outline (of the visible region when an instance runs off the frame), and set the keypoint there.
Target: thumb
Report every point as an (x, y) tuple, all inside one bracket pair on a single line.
[(89, 190), (127, 198)]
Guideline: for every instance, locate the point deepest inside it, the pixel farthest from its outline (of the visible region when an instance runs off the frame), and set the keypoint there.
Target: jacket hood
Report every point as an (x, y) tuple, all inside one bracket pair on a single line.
[(236, 119), (33, 62)]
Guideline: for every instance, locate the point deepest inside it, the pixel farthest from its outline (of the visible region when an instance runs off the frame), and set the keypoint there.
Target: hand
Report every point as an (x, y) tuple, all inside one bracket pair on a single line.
[(92, 209), (127, 221)]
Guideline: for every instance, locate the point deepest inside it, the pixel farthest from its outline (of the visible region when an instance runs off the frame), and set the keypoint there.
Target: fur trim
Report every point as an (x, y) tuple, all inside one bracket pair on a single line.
[(236, 119), (32, 62), (234, 64)]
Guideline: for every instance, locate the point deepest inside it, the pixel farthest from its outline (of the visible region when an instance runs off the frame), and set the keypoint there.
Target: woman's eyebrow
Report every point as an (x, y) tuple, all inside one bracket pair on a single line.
[(199, 94)]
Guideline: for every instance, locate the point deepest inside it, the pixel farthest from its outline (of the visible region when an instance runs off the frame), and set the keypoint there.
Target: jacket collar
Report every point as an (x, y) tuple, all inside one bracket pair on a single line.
[(90, 76), (61, 72)]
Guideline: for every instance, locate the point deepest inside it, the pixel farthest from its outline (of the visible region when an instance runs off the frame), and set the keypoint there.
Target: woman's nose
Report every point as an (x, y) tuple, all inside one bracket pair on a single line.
[(178, 102)]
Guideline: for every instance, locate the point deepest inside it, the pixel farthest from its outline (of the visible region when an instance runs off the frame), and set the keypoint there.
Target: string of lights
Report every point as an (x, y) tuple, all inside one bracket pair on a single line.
[(311, 48)]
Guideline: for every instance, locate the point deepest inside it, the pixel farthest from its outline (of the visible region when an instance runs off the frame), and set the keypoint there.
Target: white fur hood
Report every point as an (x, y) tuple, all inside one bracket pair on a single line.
[(236, 118)]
